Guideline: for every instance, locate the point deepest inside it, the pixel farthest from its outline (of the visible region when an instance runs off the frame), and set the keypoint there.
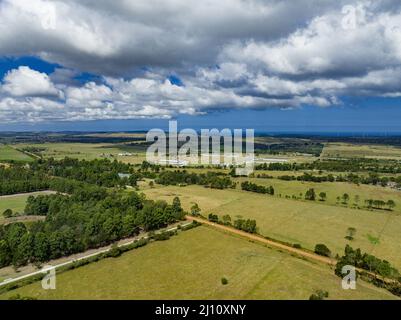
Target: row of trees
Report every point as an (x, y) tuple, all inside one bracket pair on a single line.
[(370, 203), (182, 177), (372, 178), (367, 262), (247, 225), (249, 186), (338, 165), (380, 204)]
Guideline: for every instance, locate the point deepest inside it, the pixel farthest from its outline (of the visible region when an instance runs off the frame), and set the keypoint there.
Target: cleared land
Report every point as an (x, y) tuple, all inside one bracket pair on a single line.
[(332, 190), (16, 202), (8, 153), (306, 223), (345, 150), (89, 151), (191, 265)]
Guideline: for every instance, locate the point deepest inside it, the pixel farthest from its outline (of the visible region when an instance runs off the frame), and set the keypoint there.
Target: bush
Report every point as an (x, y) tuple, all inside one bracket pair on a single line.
[(213, 217), (322, 250), (8, 213), (190, 226), (224, 281), (162, 236), (297, 246), (114, 251), (319, 295)]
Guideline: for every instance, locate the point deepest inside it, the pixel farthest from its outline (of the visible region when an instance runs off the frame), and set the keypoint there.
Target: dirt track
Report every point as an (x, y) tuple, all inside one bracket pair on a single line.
[(279, 245), (273, 243)]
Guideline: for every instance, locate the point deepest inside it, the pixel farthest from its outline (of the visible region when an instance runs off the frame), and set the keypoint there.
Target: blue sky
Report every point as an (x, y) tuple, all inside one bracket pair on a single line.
[(368, 114), (274, 67)]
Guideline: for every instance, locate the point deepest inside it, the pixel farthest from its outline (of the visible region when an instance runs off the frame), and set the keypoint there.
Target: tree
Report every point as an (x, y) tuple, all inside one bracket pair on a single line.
[(14, 234), (322, 196), (322, 250), (224, 281), (227, 219), (195, 210), (24, 251), (129, 227), (310, 195), (345, 198), (350, 233), (178, 212), (41, 247), (213, 217), (5, 254), (8, 213)]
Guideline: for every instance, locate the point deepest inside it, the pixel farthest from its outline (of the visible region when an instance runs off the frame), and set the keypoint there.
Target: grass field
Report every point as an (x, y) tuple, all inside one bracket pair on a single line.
[(344, 150), (8, 153), (15, 203), (191, 265), (306, 223), (332, 190), (88, 151)]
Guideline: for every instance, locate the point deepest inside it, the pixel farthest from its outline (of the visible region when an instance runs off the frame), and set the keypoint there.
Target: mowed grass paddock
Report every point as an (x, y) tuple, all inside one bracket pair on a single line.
[(8, 153), (191, 265), (346, 150), (302, 222), (332, 190), (89, 151)]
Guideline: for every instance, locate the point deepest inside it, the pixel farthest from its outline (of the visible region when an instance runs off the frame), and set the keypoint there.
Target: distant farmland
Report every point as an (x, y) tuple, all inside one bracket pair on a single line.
[(8, 153)]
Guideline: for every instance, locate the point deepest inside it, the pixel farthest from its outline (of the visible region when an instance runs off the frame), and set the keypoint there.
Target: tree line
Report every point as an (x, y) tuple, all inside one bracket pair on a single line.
[(213, 180), (253, 187), (367, 262), (338, 165), (87, 218), (247, 225)]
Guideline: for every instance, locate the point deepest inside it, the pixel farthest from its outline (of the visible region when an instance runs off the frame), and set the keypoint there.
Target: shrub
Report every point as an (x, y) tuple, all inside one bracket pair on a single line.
[(114, 251), (213, 217), (319, 295), (322, 250), (224, 281)]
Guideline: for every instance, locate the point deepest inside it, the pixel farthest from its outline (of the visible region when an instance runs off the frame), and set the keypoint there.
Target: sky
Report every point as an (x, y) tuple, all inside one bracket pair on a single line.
[(275, 66)]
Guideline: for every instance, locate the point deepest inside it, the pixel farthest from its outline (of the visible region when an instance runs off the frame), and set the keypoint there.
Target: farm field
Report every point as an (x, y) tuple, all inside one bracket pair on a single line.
[(344, 150), (305, 223), (88, 151), (191, 265), (332, 190), (8, 153)]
